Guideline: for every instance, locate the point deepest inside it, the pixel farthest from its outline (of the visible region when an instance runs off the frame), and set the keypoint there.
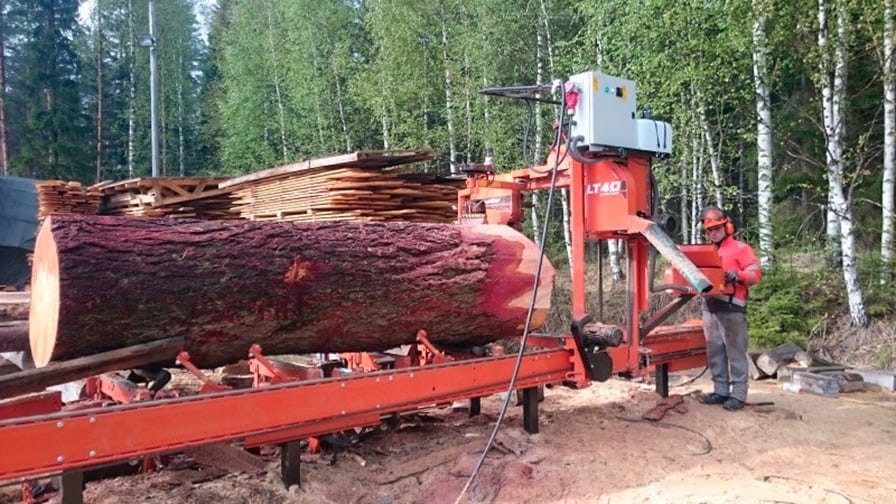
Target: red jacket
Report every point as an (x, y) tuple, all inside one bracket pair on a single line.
[(739, 256)]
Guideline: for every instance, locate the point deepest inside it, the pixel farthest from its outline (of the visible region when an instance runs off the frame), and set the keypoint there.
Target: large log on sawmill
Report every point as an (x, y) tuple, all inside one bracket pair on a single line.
[(101, 283)]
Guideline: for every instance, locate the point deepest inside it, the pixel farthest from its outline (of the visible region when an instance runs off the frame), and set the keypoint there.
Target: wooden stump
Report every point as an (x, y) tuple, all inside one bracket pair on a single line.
[(101, 283), (781, 355)]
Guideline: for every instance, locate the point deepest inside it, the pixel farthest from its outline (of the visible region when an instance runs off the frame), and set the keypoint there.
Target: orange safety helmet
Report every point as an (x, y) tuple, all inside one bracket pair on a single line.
[(713, 216)]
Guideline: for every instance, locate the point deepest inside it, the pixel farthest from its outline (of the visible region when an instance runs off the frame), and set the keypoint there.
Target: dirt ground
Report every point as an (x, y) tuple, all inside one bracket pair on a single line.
[(593, 447)]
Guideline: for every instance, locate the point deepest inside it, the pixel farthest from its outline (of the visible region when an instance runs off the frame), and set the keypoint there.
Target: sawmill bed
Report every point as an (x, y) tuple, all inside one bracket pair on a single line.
[(794, 451)]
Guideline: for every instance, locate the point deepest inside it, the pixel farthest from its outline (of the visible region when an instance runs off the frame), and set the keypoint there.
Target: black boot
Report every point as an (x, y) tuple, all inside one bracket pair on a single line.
[(712, 398)]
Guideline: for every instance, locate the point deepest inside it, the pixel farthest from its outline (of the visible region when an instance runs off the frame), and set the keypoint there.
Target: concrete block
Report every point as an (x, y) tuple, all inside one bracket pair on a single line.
[(884, 378)]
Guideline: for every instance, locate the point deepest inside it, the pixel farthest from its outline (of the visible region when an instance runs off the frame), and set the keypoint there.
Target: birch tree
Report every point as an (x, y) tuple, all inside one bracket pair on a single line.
[(4, 126), (833, 115), (763, 132), (889, 161), (831, 124)]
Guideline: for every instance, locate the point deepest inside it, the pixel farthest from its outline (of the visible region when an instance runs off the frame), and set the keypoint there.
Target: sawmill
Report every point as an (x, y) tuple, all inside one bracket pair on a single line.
[(400, 285)]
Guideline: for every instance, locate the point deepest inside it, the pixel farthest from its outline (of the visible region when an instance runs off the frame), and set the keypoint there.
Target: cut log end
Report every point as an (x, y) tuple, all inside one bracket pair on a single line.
[(44, 313), (522, 263)]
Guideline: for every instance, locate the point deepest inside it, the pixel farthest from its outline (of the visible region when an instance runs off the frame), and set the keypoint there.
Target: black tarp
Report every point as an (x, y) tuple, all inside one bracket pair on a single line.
[(18, 227)]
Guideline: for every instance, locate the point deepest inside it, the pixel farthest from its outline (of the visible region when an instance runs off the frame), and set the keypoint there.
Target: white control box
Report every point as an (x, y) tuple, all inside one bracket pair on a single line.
[(606, 116)]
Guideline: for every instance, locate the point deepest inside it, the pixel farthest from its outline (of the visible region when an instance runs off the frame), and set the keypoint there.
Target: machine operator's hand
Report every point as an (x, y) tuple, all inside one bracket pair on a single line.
[(731, 277)]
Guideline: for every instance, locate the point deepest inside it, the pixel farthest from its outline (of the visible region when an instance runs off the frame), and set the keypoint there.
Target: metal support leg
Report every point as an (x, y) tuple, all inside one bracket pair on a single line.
[(530, 410), (475, 406), (662, 380), (290, 461), (71, 487)]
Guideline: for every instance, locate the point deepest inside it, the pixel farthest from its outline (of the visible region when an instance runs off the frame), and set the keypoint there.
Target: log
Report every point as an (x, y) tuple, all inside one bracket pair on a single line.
[(817, 384), (14, 305), (848, 382), (13, 336), (754, 372), (103, 282), (770, 361), (37, 379)]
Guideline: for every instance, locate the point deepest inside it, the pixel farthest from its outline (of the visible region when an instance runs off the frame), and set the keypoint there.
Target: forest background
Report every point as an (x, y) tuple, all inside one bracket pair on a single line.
[(784, 113)]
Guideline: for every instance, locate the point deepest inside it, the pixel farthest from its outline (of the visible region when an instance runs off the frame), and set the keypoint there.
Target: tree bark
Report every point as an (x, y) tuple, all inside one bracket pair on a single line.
[(101, 283)]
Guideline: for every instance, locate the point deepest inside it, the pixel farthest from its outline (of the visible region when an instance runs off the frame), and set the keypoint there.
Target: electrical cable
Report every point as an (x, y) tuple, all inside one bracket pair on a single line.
[(691, 380), (519, 355), (708, 444), (572, 148), (526, 133)]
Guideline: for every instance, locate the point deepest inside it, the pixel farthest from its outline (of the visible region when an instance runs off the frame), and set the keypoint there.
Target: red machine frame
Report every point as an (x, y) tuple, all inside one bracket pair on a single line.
[(612, 196)]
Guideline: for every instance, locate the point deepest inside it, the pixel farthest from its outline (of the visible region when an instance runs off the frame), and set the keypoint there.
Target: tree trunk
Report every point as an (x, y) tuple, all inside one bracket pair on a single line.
[(132, 92), (98, 177), (340, 101), (281, 113), (384, 115), (841, 203), (832, 220), (763, 133), (449, 101), (101, 283), (889, 176), (713, 155), (4, 156), (181, 120)]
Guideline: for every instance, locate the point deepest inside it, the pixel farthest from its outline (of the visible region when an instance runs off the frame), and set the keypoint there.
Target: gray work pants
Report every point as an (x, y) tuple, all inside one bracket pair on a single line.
[(726, 349)]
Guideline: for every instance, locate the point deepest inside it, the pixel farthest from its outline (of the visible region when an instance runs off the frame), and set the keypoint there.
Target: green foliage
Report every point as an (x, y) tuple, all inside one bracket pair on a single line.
[(44, 96), (879, 299), (778, 309)]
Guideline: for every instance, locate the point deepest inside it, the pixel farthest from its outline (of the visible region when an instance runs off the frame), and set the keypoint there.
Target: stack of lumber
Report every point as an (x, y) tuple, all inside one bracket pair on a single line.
[(172, 197), (58, 197), (347, 194), (346, 187)]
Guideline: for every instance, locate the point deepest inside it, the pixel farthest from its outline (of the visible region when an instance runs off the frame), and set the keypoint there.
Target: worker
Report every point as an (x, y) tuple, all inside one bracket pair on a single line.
[(155, 374), (725, 316)]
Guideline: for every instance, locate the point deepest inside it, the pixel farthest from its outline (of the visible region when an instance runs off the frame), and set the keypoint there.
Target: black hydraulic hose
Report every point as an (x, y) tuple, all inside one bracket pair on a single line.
[(572, 147)]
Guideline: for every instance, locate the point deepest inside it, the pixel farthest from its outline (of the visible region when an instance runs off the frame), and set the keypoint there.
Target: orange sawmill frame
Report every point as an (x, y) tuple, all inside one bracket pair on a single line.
[(274, 413)]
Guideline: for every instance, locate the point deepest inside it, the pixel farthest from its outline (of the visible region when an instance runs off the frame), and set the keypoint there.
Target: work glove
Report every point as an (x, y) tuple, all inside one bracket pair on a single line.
[(731, 277)]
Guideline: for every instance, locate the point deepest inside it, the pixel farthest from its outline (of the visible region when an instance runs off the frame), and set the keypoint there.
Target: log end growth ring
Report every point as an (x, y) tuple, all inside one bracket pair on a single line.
[(43, 318)]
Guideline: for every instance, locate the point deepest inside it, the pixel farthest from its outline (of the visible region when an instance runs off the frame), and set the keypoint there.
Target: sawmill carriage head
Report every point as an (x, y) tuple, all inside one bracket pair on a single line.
[(603, 154)]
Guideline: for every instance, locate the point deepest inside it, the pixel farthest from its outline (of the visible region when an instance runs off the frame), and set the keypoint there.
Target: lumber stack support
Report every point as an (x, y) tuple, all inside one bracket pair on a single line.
[(172, 197), (101, 283)]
